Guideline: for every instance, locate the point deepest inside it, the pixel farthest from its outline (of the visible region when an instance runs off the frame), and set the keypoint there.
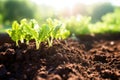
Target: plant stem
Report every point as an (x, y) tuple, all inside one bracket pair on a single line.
[(38, 44), (50, 41), (17, 43), (22, 40)]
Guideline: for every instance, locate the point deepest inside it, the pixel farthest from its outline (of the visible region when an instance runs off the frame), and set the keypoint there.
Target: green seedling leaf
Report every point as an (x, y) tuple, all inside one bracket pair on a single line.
[(15, 32)]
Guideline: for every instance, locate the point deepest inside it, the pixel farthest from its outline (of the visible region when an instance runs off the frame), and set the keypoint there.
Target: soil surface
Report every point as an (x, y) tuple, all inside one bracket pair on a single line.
[(87, 58)]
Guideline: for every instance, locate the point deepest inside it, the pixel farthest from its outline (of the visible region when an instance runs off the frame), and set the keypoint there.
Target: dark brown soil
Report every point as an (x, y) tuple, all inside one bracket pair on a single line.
[(88, 58)]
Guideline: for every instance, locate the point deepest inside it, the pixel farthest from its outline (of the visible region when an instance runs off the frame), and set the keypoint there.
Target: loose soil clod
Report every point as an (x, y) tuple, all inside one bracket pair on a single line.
[(93, 59)]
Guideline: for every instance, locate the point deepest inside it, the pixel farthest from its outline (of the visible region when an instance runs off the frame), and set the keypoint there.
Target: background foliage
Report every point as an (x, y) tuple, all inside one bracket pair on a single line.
[(84, 19)]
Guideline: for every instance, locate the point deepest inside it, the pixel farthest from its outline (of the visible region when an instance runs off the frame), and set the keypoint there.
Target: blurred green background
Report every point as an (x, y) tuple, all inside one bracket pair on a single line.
[(80, 17)]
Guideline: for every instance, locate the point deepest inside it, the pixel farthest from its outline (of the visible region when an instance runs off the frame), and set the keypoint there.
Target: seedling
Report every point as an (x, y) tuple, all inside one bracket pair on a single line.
[(28, 30), (57, 30), (15, 32)]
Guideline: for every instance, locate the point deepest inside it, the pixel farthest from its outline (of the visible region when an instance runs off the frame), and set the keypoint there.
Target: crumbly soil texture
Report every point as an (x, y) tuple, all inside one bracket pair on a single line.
[(87, 58)]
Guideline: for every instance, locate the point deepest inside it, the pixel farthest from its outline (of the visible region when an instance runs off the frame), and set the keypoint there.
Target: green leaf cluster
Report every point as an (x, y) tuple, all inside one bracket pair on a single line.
[(110, 23), (47, 32), (57, 30), (78, 25)]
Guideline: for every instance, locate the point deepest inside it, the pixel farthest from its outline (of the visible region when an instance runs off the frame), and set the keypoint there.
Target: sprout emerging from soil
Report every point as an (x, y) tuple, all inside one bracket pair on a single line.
[(47, 32)]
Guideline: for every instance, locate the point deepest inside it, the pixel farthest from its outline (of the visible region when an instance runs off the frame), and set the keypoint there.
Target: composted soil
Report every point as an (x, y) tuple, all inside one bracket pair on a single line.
[(87, 58)]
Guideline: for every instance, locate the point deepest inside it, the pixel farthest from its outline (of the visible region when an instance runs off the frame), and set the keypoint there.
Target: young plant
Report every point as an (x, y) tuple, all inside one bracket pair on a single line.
[(57, 30), (43, 35), (23, 23), (31, 30), (39, 34), (25, 28), (15, 32)]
